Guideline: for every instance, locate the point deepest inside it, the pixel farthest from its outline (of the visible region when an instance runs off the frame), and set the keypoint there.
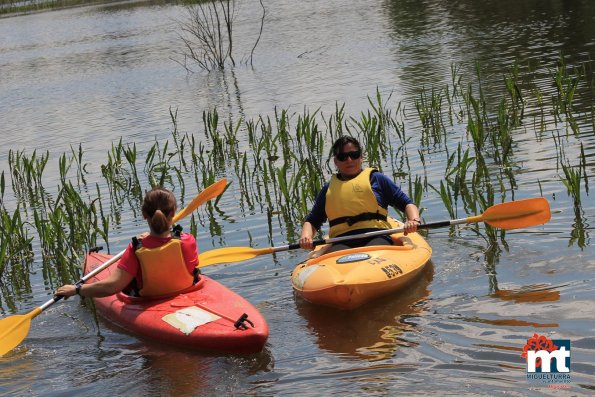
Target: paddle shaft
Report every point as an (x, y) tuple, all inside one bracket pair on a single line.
[(512, 215), (433, 225)]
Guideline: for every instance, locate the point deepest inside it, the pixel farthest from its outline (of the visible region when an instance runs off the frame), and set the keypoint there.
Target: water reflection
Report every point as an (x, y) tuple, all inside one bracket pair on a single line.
[(376, 330), (531, 30), (17, 373), (178, 372), (529, 293)]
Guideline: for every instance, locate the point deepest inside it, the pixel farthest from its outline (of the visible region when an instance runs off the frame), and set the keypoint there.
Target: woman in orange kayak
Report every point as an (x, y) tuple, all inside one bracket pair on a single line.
[(161, 262), (356, 201)]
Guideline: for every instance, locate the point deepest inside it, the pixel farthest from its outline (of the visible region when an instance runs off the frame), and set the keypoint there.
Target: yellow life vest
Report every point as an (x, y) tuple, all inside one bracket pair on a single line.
[(164, 269), (352, 205)]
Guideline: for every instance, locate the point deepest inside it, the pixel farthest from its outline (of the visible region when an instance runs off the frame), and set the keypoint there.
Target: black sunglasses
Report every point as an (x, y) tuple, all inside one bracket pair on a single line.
[(354, 155)]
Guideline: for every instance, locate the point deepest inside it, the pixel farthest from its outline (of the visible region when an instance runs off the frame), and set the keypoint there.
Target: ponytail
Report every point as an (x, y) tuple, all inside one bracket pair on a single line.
[(158, 208)]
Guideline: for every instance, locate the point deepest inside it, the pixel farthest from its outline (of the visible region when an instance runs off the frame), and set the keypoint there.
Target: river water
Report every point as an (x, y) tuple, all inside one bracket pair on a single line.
[(97, 74)]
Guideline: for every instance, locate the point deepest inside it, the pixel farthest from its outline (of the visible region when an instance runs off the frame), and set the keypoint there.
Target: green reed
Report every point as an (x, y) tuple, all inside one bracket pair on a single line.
[(572, 181), (566, 85), (446, 196), (15, 244), (309, 137), (511, 82), (373, 130), (430, 112), (278, 164), (334, 124)]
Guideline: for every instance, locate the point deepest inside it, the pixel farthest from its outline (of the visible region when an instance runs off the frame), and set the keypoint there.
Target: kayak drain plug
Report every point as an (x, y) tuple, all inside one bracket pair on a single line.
[(241, 323)]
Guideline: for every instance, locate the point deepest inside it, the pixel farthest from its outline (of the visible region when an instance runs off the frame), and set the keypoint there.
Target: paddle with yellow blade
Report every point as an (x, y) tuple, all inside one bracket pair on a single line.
[(14, 329), (511, 215)]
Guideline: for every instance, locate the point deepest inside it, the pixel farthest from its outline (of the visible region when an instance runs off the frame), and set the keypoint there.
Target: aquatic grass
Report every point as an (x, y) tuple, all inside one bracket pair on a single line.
[(81, 167), (372, 129), (446, 196), (334, 124), (114, 174), (20, 7), (15, 242), (455, 79), (309, 138), (475, 121), (26, 175), (572, 182), (492, 235), (211, 127), (278, 164), (458, 167), (462, 164), (516, 97), (179, 141), (416, 191), (130, 154), (565, 85), (105, 220), (429, 109), (398, 124)]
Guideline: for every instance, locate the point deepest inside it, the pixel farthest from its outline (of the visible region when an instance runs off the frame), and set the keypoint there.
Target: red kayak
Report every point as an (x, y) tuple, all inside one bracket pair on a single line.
[(207, 316)]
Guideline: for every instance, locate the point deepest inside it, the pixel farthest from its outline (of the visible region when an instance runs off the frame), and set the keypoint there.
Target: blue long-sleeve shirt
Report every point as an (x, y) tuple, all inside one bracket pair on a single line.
[(386, 192)]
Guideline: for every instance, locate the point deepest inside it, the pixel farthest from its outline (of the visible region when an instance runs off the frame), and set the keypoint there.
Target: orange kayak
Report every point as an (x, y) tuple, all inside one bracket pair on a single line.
[(349, 278), (207, 316)]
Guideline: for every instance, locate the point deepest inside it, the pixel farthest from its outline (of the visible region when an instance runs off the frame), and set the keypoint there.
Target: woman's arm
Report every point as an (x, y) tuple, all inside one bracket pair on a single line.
[(115, 283), (308, 232), (314, 220), (393, 195)]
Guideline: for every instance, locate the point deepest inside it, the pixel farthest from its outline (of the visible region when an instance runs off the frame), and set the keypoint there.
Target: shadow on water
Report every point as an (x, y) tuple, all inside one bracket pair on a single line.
[(179, 372), (374, 331)]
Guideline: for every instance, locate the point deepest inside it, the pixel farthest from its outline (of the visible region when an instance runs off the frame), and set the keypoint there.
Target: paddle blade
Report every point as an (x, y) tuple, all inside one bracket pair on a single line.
[(230, 255), (210, 192), (14, 329), (518, 214)]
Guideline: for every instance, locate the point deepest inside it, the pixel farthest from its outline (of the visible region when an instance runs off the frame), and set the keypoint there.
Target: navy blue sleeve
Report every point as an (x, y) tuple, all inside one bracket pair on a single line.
[(317, 215), (388, 193)]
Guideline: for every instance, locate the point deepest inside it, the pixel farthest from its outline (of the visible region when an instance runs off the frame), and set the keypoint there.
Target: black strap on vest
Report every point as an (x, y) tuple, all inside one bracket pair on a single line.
[(136, 243), (350, 220), (176, 231)]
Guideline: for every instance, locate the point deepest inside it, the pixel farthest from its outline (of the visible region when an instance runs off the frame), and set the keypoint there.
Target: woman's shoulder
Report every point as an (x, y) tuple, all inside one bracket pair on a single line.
[(380, 177), (186, 236)]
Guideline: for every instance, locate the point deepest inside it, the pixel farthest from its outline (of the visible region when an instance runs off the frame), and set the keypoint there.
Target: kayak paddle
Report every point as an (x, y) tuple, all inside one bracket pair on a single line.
[(14, 329), (511, 215)]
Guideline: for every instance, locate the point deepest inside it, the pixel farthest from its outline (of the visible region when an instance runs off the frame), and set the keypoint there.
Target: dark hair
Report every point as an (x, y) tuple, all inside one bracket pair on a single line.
[(158, 206), (342, 141)]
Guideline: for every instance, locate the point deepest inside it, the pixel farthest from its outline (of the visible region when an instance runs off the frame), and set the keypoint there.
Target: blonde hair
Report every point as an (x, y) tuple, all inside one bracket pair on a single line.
[(158, 207)]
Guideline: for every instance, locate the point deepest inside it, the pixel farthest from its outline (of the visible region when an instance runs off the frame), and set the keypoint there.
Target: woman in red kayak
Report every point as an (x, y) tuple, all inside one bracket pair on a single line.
[(356, 201), (161, 262)]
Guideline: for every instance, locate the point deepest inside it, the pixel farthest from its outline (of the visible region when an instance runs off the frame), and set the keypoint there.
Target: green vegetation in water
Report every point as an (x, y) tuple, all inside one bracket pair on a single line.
[(8, 7), (279, 162)]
